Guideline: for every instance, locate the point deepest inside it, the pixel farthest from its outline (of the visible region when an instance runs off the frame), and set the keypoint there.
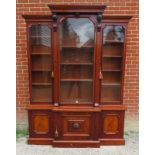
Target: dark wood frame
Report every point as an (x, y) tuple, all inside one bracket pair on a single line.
[(124, 24), (92, 18), (53, 113)]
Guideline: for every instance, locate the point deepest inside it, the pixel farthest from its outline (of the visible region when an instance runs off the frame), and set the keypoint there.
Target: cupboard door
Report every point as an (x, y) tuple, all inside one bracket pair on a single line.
[(41, 63), (112, 124), (112, 63), (76, 60), (40, 124), (74, 126)]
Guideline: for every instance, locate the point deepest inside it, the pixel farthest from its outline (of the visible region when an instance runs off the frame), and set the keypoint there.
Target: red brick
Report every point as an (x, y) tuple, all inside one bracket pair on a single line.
[(34, 1), (22, 1), (114, 7)]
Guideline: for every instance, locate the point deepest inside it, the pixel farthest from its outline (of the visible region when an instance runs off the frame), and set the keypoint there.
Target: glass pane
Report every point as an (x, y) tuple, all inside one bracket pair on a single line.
[(76, 60), (40, 63), (113, 45)]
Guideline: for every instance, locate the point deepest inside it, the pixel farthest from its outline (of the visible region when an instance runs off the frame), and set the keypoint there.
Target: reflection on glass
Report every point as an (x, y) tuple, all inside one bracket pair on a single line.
[(41, 63), (113, 45), (113, 32), (77, 32), (40, 35), (76, 57)]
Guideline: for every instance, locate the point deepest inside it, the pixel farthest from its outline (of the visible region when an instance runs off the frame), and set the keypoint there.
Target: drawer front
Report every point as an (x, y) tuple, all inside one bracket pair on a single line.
[(75, 126), (112, 124), (40, 124)]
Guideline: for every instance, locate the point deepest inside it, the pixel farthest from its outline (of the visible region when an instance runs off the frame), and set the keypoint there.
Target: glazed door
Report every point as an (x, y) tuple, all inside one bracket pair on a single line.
[(113, 48), (76, 43), (40, 62)]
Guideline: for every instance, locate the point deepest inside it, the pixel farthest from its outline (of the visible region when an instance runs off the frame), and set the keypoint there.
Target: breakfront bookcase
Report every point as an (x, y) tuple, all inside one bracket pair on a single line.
[(76, 76)]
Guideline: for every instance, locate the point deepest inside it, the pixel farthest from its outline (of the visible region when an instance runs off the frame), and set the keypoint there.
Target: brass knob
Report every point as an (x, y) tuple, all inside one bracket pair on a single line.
[(76, 125)]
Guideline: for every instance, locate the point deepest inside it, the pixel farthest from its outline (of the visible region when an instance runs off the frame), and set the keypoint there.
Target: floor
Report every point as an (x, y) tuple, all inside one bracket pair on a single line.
[(130, 148)]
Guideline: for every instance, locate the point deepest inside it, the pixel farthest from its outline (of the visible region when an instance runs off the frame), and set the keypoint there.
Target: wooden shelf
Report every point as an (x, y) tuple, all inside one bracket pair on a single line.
[(74, 102), (113, 41), (111, 70), (111, 84), (40, 36), (72, 46), (40, 53), (70, 63), (42, 101), (111, 102), (111, 56), (41, 70), (78, 80), (41, 84)]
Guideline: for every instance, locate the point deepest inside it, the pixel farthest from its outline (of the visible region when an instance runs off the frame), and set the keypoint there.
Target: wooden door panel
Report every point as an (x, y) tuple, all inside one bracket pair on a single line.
[(112, 124), (40, 123)]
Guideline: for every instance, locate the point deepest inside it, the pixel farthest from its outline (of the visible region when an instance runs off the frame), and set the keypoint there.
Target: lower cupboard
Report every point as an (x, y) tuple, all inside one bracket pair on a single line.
[(76, 129)]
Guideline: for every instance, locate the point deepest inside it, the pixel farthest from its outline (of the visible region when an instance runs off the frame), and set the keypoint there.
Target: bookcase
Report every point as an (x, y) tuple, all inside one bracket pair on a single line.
[(76, 76)]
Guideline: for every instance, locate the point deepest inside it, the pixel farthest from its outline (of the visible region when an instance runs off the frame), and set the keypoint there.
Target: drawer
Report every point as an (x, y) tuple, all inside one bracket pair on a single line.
[(74, 126)]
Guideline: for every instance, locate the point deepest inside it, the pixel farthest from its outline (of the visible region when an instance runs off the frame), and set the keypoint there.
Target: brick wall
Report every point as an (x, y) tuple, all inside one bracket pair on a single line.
[(114, 7)]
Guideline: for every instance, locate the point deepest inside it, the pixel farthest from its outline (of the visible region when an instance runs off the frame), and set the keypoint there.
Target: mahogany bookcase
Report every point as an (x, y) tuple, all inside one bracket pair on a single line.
[(76, 76)]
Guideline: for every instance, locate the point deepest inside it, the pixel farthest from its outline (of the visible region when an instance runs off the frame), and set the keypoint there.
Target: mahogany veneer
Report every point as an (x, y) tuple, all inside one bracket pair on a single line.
[(76, 71)]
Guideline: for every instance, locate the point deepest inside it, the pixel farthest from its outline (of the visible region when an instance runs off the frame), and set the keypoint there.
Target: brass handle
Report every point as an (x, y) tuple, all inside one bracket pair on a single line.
[(56, 133), (101, 76), (52, 74)]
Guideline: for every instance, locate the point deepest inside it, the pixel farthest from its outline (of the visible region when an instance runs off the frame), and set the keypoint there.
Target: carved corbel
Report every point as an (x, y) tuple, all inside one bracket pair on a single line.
[(54, 17), (77, 15), (99, 19)]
